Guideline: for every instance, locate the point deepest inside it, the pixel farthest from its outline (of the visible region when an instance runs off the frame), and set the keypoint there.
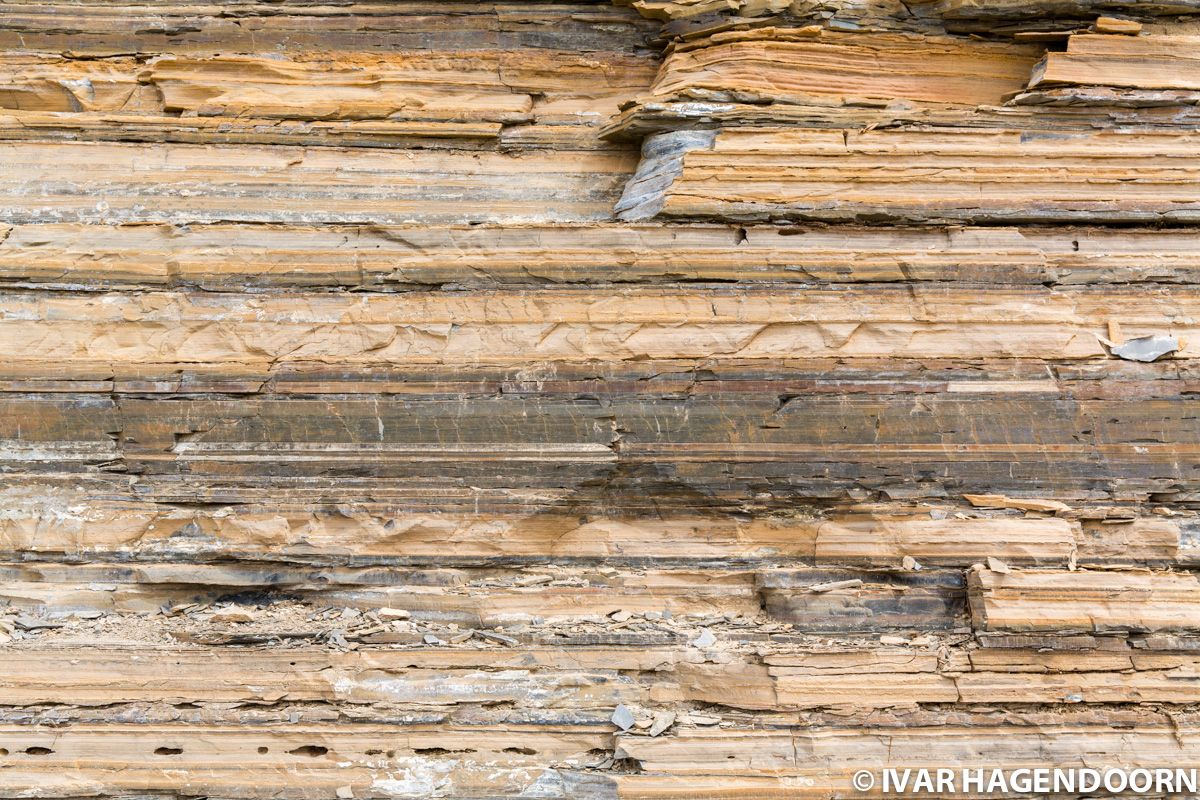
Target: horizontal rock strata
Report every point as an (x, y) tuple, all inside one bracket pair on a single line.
[(595, 401), (928, 176)]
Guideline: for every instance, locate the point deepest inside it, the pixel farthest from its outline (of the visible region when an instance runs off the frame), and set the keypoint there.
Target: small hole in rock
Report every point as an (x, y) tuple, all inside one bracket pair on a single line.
[(523, 751), (38, 751), (167, 751), (263, 750), (311, 750)]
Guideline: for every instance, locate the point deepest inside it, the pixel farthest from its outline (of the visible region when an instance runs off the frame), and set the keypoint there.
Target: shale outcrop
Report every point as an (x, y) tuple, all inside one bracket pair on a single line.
[(593, 401)]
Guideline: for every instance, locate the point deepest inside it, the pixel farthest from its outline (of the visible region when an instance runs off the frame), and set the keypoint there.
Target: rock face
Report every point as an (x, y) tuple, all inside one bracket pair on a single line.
[(577, 400)]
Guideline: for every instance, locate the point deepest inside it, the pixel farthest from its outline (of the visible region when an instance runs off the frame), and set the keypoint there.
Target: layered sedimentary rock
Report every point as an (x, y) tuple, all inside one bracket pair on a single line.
[(942, 175), (654, 399), (1129, 62), (811, 65)]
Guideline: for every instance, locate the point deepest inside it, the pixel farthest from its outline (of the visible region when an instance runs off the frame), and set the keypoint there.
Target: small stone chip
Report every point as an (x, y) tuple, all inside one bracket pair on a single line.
[(623, 718), (911, 564), (996, 565), (231, 615), (345, 792), (662, 721), (705, 639)]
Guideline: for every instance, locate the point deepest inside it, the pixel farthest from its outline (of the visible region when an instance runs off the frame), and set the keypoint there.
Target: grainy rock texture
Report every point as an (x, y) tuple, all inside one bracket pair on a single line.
[(595, 401)]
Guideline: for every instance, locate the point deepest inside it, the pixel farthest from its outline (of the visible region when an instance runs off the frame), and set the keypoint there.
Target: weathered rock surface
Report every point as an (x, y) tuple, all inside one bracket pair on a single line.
[(594, 401)]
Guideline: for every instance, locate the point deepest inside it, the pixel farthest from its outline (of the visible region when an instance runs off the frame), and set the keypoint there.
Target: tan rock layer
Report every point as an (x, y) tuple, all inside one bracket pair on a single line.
[(309, 762), (104, 529), (812, 66), (166, 329), (760, 763), (122, 183), (904, 677), (768, 75), (894, 176), (422, 86), (1150, 62), (73, 525), (588, 680), (232, 257), (323, 757), (1083, 601)]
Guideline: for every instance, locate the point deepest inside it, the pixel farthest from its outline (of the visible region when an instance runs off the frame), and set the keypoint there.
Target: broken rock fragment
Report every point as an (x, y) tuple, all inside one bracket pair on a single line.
[(662, 721), (1024, 504), (623, 718), (1146, 348), (390, 614)]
